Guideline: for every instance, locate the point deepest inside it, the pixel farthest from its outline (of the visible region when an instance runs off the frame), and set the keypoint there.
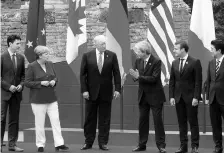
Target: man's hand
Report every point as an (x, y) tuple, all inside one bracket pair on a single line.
[(45, 83), (19, 88), (134, 73), (52, 83), (206, 102), (12, 88), (194, 102), (172, 102), (86, 95), (116, 94)]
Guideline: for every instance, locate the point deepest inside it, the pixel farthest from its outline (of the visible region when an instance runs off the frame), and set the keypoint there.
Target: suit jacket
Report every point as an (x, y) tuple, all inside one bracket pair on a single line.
[(215, 84), (187, 84), (93, 81), (34, 75), (150, 81), (9, 76)]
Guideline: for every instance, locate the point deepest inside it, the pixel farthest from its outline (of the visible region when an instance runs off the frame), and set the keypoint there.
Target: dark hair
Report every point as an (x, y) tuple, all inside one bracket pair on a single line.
[(218, 44), (183, 44), (12, 38)]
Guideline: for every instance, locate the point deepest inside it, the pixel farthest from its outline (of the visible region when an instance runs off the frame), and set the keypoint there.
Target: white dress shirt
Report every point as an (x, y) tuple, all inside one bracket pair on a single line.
[(220, 60), (97, 56)]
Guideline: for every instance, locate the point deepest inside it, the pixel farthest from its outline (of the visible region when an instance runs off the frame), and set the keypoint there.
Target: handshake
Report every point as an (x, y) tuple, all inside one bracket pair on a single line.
[(48, 83)]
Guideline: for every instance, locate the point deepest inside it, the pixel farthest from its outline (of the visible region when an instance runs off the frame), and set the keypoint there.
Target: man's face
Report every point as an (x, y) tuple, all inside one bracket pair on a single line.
[(100, 45), (177, 51), (15, 46), (215, 53), (140, 54)]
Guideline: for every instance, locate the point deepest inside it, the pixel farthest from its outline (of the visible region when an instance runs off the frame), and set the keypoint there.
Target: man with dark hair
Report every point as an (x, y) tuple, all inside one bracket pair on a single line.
[(215, 91), (185, 93), (12, 78)]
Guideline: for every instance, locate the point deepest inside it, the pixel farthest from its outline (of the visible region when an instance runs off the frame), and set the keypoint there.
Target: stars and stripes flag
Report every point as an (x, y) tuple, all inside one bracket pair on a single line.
[(36, 33), (201, 33), (161, 34), (76, 35), (117, 34)]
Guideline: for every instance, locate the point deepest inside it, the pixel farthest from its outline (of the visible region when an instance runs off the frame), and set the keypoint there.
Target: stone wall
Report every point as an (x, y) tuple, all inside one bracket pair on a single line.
[(14, 21)]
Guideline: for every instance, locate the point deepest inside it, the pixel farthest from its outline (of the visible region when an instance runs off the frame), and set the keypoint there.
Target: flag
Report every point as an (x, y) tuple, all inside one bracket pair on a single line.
[(76, 35), (201, 33), (117, 34), (161, 35), (36, 32)]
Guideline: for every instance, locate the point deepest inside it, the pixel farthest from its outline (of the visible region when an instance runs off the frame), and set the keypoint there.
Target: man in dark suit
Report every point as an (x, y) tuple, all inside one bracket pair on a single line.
[(98, 68), (12, 78), (215, 92), (147, 71), (185, 92)]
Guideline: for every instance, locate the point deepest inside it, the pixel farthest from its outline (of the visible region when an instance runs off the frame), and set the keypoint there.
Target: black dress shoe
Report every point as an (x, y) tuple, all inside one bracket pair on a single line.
[(139, 148), (182, 149), (103, 147), (62, 147), (86, 146), (162, 150), (3, 144), (218, 150), (194, 150), (40, 149)]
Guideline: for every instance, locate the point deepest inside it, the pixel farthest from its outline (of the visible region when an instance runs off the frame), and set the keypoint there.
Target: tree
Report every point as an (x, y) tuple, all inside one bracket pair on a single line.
[(218, 10)]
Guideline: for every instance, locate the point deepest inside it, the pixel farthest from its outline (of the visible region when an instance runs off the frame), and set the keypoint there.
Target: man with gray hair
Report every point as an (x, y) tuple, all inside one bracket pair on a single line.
[(147, 71), (98, 69)]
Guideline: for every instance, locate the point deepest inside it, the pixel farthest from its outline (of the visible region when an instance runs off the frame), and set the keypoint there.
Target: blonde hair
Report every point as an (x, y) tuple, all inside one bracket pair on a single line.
[(144, 47), (40, 50)]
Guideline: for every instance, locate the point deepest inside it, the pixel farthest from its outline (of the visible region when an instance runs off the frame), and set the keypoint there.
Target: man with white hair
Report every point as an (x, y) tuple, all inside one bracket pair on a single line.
[(98, 68), (147, 71)]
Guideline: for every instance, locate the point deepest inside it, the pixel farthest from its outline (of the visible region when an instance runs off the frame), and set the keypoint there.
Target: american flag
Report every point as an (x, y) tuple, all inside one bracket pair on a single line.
[(76, 35), (161, 34)]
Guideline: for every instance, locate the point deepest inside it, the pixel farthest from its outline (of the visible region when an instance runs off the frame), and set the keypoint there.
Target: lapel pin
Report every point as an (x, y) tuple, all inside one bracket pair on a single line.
[(149, 63), (186, 62)]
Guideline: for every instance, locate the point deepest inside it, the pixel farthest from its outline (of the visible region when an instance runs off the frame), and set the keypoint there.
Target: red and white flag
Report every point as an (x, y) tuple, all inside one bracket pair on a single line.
[(76, 35)]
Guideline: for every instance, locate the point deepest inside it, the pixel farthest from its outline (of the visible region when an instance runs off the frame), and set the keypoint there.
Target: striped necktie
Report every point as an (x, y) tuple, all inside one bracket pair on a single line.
[(100, 62), (217, 67)]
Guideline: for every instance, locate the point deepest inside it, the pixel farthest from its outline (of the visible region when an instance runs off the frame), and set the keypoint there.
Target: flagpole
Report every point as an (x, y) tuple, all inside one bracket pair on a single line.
[(121, 109), (204, 108), (81, 110)]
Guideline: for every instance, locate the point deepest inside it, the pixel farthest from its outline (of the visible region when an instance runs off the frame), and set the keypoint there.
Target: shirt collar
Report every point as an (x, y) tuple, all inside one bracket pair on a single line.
[(98, 52), (10, 53), (220, 60), (185, 57), (147, 59)]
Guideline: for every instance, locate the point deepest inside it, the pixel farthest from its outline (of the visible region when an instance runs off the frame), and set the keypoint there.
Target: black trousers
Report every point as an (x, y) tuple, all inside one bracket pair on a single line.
[(216, 115), (13, 104), (103, 110), (144, 109), (188, 113)]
